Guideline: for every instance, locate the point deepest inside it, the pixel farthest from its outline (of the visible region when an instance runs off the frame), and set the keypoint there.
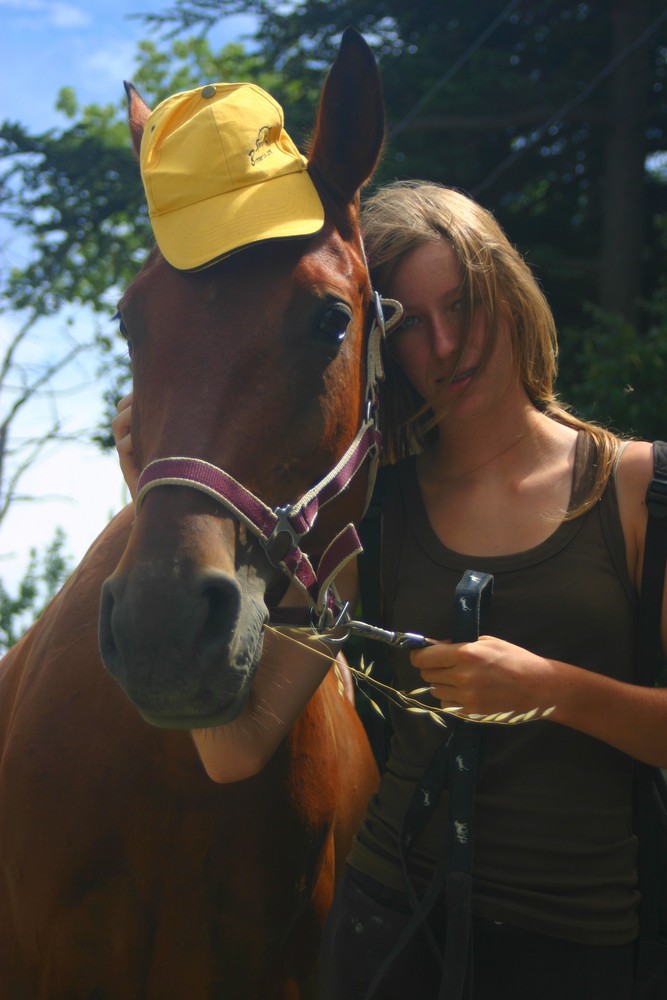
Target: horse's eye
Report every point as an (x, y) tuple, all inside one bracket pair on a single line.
[(122, 329), (333, 323)]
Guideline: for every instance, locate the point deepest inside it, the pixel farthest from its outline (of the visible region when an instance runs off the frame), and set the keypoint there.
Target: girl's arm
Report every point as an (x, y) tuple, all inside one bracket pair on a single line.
[(492, 675)]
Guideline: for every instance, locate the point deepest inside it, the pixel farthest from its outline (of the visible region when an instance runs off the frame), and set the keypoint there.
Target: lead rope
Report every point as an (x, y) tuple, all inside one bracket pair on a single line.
[(473, 596), (457, 758)]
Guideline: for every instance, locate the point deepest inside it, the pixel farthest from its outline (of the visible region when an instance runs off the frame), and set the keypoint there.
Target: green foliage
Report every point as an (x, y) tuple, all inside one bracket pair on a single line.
[(75, 196), (615, 373), (615, 376), (190, 62), (510, 102), (43, 577)]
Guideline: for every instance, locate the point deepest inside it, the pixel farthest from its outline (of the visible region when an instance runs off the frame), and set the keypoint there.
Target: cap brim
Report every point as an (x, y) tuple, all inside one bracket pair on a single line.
[(197, 236)]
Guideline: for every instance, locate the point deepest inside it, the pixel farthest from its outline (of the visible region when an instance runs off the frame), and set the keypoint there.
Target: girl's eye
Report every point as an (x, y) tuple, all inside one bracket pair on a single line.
[(455, 307), (407, 322), (334, 322)]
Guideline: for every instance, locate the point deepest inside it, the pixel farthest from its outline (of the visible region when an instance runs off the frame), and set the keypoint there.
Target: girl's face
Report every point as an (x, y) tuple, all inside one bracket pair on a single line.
[(428, 341)]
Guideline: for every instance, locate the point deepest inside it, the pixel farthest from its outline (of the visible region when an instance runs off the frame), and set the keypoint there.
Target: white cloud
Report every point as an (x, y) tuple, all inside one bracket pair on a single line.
[(64, 15), (114, 63), (54, 14)]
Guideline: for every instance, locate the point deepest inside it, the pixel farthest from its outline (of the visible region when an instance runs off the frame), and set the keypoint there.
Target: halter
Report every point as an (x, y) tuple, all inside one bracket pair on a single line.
[(281, 529)]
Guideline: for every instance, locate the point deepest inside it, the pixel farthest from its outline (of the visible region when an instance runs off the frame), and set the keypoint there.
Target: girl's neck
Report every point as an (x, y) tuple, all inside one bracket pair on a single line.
[(476, 450)]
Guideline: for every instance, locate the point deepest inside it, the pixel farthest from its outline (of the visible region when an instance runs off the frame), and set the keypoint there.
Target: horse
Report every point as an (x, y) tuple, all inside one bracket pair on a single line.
[(125, 872)]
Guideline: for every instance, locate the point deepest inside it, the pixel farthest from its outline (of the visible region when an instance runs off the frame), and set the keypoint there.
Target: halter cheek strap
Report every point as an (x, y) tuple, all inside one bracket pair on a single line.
[(281, 529)]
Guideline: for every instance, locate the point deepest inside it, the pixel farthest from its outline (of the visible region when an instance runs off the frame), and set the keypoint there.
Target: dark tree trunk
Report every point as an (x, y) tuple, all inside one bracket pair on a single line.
[(623, 193)]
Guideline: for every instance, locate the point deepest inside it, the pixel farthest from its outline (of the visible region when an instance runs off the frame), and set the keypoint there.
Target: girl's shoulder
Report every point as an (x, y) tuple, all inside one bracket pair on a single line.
[(634, 470)]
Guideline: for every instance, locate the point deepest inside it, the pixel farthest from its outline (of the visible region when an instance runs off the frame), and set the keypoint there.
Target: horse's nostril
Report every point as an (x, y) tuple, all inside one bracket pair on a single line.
[(223, 597)]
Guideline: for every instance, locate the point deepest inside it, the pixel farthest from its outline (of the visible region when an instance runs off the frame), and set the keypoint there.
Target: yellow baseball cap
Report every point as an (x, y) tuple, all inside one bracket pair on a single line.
[(220, 172)]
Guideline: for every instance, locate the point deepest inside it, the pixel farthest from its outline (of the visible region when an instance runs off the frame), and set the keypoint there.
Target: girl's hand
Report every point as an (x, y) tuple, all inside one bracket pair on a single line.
[(120, 425), (487, 676)]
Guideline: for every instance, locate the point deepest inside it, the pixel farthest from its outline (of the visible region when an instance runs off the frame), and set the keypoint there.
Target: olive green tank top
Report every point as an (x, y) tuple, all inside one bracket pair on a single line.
[(554, 849)]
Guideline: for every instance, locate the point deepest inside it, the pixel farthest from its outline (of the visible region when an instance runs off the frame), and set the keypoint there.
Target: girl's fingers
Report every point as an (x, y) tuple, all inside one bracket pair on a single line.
[(121, 426), (123, 403)]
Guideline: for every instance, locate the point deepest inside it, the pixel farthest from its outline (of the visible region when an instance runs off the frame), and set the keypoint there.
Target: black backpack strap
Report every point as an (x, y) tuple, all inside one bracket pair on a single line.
[(456, 760), (650, 788), (653, 575)]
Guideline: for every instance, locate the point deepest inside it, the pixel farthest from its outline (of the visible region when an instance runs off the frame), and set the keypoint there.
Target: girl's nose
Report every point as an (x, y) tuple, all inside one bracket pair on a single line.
[(445, 336)]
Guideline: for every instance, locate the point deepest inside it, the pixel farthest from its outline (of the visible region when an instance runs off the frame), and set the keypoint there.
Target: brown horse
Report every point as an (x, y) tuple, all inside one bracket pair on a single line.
[(124, 871)]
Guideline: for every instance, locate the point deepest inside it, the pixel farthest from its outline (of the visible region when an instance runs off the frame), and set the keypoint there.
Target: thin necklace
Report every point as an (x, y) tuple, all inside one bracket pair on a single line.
[(476, 468)]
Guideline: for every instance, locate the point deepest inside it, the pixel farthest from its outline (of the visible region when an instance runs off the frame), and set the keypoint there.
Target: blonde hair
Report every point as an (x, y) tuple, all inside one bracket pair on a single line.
[(405, 215)]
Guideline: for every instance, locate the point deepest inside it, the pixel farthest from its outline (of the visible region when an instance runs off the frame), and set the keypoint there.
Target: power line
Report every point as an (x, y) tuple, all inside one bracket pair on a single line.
[(570, 105), (454, 68)]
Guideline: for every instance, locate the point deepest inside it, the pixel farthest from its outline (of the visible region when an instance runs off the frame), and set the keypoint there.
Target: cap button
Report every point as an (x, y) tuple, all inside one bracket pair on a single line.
[(208, 91)]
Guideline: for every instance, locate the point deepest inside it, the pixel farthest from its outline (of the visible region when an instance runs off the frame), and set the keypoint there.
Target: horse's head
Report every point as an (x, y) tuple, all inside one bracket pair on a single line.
[(253, 368)]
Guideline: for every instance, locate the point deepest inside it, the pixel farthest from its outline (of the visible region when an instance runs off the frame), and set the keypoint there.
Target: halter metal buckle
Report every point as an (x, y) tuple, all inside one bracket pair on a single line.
[(283, 537)]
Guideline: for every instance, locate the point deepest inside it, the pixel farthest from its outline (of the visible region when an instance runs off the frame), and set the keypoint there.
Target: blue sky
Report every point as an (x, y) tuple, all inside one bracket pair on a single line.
[(49, 44), (46, 45)]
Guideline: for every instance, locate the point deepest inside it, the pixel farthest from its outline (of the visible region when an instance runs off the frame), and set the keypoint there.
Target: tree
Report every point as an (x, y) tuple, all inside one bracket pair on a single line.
[(22, 384), (41, 581), (547, 111), (75, 199), (71, 254), (616, 374)]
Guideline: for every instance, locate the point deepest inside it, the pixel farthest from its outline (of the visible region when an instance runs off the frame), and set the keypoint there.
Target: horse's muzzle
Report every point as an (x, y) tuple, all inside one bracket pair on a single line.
[(184, 647)]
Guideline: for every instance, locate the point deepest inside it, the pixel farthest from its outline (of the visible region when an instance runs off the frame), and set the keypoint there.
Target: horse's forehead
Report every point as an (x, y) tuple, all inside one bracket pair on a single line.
[(328, 259), (333, 259)]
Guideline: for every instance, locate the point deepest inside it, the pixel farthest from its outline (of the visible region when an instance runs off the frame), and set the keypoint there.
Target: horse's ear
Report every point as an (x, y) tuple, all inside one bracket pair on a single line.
[(350, 123), (137, 112)]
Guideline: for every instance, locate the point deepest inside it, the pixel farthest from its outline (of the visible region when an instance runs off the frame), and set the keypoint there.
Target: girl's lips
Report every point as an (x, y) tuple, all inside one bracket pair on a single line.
[(461, 377), (468, 373)]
